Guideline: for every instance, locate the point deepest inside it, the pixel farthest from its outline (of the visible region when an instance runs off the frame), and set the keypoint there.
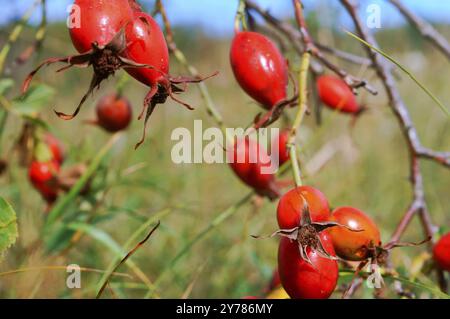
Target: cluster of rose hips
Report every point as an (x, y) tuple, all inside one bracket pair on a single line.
[(262, 72), (118, 34), (113, 115), (313, 237)]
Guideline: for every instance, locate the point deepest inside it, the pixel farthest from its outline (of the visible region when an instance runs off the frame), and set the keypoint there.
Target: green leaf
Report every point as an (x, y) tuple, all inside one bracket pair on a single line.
[(404, 69), (8, 226), (33, 101), (5, 85)]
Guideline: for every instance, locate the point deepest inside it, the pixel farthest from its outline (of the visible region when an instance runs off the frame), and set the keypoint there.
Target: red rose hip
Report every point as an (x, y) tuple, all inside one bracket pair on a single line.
[(441, 252), (302, 280), (41, 175), (259, 67), (114, 113), (337, 95), (291, 205), (353, 245)]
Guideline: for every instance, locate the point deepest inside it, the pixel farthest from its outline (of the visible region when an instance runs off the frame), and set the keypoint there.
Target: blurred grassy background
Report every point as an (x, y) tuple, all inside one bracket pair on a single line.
[(368, 171)]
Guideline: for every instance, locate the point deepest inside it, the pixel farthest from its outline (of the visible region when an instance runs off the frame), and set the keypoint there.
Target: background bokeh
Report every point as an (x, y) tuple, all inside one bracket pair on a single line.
[(367, 168)]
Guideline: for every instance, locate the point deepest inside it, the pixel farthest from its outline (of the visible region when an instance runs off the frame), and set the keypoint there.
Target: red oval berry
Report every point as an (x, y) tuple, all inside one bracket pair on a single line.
[(337, 95), (291, 205), (114, 113), (441, 252), (282, 139), (99, 22), (147, 45), (56, 147), (353, 245), (41, 175), (249, 159), (259, 67), (302, 280)]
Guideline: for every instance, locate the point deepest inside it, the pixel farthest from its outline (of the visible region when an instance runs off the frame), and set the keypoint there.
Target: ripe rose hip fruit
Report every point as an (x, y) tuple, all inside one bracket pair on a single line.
[(147, 46), (41, 175), (248, 159), (113, 113), (56, 147), (100, 38), (441, 252), (100, 21), (291, 204), (354, 245), (337, 95), (283, 152), (302, 280), (260, 68)]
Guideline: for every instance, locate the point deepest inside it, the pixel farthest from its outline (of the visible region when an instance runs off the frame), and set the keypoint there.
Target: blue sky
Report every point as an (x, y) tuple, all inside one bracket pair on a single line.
[(216, 16)]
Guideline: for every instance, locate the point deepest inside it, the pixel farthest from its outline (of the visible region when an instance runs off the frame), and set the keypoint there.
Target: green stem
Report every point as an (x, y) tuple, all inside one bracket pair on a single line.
[(302, 105), (240, 17)]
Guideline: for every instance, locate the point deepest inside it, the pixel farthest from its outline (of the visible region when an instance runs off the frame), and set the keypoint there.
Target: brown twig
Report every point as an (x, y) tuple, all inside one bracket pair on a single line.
[(425, 28), (303, 34), (418, 205)]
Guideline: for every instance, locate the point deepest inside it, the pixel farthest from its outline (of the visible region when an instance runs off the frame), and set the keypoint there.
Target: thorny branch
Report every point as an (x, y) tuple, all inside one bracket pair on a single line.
[(311, 47), (425, 28), (416, 150)]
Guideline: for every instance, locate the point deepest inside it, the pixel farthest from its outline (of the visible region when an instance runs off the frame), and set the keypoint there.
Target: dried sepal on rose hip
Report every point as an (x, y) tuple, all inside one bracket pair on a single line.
[(303, 215), (307, 234)]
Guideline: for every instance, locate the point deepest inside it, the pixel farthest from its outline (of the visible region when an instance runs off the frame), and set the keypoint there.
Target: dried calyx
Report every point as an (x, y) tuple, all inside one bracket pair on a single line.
[(105, 60), (307, 234)]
